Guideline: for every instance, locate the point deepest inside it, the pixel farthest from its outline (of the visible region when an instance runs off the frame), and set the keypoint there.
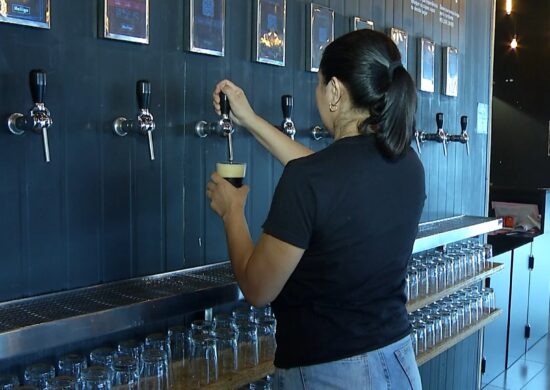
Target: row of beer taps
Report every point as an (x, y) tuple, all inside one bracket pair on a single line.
[(39, 121), (442, 137)]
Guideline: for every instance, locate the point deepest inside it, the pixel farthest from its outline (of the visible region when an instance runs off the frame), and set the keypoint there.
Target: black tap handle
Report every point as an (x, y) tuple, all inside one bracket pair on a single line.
[(37, 82), (463, 123), (143, 91), (224, 104), (439, 120), (287, 104)]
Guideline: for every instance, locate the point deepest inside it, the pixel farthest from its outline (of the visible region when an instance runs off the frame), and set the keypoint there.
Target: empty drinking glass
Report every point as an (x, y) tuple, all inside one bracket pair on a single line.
[(132, 348), (125, 372), (266, 338), (157, 341), (94, 378), (247, 340), (154, 370), (488, 296), (71, 365), (63, 382), (204, 359), (38, 374), (102, 357), (227, 351)]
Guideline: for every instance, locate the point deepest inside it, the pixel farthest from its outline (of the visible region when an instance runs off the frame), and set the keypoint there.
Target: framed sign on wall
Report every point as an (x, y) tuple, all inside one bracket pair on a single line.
[(358, 24), (321, 33), (34, 13), (426, 65), (450, 71), (125, 20), (401, 40), (270, 32), (206, 31)]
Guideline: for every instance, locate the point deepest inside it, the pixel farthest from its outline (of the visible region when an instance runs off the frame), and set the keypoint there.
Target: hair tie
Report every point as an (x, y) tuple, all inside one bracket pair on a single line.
[(392, 67)]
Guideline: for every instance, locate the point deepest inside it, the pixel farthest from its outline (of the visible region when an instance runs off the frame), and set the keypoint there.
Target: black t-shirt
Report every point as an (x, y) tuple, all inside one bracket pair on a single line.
[(356, 213)]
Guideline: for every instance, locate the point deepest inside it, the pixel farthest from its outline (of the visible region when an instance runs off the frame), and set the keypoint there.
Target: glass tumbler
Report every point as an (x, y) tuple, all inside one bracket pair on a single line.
[(63, 382), (38, 374), (102, 357), (71, 365), (157, 341), (132, 348), (226, 321), (227, 351), (433, 271), (446, 324), (8, 382), (247, 344), (125, 372), (413, 283), (488, 296), (414, 340), (154, 370), (266, 338), (423, 287), (243, 314), (204, 359), (94, 378)]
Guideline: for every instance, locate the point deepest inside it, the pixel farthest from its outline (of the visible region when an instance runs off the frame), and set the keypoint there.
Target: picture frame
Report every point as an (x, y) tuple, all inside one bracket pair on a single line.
[(450, 71), (426, 65), (32, 13), (358, 23), (321, 33), (206, 27), (269, 46), (401, 40), (125, 20)]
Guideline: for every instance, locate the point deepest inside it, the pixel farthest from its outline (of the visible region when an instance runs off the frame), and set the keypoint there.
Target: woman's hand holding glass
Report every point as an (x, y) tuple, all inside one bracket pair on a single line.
[(224, 197)]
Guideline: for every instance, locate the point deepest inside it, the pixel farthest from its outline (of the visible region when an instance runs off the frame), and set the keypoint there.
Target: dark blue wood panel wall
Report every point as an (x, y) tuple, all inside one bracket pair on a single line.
[(102, 211)]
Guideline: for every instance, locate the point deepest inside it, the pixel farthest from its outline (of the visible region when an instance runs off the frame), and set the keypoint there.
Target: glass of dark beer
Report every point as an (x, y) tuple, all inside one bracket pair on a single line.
[(231, 171)]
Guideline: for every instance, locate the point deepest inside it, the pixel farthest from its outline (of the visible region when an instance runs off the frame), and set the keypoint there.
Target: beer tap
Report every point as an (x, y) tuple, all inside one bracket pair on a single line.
[(317, 133), (417, 139), (287, 103), (145, 123), (38, 119), (463, 137), (439, 136), (223, 127)]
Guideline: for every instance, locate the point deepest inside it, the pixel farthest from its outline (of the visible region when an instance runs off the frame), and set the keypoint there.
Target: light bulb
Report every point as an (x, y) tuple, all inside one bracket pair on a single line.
[(508, 7), (514, 44)]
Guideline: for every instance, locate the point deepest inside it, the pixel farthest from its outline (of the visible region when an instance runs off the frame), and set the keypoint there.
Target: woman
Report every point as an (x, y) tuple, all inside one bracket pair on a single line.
[(333, 255)]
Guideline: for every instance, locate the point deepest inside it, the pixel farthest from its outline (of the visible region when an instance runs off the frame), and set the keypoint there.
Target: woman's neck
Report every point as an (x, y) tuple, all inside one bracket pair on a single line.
[(348, 126)]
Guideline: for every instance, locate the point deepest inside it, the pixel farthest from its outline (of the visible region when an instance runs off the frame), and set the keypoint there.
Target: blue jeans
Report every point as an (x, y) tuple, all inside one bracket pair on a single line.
[(392, 367)]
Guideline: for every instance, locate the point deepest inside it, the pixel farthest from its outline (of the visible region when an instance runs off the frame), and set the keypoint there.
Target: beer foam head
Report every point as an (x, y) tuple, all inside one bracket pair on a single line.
[(228, 169)]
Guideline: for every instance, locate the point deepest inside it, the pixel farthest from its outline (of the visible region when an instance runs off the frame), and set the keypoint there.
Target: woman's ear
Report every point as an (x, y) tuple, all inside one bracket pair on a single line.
[(336, 90)]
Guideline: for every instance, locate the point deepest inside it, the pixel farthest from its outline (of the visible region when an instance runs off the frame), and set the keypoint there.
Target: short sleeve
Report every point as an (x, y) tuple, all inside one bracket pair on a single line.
[(292, 212)]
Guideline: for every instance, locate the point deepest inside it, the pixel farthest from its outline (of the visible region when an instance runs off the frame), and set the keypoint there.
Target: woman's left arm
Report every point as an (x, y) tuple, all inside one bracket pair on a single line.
[(261, 270)]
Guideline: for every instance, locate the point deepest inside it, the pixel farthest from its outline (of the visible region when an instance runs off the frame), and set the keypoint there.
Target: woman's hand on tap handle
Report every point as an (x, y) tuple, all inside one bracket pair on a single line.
[(241, 112)]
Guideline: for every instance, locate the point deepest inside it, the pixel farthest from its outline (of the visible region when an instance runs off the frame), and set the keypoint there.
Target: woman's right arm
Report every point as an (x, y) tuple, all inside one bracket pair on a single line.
[(278, 144)]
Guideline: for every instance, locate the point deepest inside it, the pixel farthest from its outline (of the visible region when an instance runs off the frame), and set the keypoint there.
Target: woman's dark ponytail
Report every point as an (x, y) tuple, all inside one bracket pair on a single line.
[(369, 64), (397, 120)]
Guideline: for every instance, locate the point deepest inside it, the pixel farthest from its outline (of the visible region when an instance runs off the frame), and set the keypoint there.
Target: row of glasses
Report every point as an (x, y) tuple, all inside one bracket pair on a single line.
[(447, 317), (433, 271), (192, 356)]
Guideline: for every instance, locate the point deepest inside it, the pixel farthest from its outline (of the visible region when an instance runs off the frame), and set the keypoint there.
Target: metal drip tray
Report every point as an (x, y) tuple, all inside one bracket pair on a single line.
[(48, 321), (441, 232)]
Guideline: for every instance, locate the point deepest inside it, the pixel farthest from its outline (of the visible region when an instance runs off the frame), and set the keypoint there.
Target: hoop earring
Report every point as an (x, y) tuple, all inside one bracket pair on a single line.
[(332, 107)]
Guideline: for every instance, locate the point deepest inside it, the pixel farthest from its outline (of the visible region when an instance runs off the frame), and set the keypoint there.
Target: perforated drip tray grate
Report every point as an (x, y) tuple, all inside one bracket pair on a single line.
[(118, 306), (448, 230)]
